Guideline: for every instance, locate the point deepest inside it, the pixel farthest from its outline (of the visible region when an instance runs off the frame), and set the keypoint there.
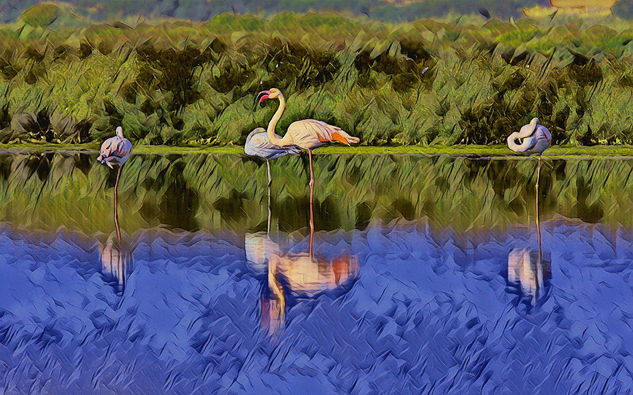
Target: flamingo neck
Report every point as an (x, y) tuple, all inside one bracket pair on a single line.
[(275, 287), (272, 137)]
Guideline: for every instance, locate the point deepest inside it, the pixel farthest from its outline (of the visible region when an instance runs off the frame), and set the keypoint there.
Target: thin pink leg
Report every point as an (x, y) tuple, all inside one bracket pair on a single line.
[(311, 194)]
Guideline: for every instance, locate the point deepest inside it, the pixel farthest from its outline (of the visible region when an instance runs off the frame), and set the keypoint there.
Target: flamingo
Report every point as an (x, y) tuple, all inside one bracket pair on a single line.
[(257, 144), (308, 134), (535, 139), (115, 150)]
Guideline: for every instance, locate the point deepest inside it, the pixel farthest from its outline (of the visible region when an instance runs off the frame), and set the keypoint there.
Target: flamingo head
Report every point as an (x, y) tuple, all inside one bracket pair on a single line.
[(270, 94)]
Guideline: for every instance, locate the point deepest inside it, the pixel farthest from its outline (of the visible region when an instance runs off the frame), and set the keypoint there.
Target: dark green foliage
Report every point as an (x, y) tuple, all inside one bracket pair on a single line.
[(5, 122), (85, 49), (231, 77), (584, 70), (291, 64), (170, 70)]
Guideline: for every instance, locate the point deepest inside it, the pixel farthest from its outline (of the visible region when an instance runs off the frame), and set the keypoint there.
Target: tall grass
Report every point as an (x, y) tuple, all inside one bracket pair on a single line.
[(189, 83)]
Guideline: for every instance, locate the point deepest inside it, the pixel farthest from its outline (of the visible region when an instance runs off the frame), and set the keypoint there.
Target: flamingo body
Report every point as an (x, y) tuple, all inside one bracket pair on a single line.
[(311, 133), (115, 150), (305, 275), (533, 139), (257, 144)]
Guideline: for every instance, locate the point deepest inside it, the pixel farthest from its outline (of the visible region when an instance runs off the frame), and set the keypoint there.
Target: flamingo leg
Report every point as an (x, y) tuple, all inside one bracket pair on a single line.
[(538, 226), (311, 194), (268, 228), (268, 167), (311, 171), (116, 214), (311, 224)]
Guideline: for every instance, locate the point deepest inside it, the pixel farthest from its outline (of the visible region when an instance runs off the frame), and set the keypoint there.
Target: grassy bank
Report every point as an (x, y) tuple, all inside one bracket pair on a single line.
[(183, 83), (455, 150)]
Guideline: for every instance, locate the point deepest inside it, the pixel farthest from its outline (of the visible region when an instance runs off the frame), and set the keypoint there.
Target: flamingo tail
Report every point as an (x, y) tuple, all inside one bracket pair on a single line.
[(342, 136)]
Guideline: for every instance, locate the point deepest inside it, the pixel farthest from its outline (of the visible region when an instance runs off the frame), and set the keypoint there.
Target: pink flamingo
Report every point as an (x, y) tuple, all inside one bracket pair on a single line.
[(115, 150), (308, 134)]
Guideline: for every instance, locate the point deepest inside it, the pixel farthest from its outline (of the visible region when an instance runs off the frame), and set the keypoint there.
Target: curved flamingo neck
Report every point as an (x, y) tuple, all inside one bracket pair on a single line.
[(273, 123), (276, 289)]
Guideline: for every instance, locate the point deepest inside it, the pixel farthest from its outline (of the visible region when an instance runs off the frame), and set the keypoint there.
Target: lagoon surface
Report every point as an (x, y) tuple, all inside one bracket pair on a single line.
[(422, 275)]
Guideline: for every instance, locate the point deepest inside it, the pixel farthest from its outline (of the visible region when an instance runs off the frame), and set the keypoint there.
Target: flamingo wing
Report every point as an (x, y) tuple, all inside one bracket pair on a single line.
[(542, 141), (311, 133), (257, 144)]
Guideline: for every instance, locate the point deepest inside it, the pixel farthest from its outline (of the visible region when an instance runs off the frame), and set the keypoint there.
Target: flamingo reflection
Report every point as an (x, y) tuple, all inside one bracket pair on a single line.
[(259, 247), (303, 275), (115, 261), (528, 268)]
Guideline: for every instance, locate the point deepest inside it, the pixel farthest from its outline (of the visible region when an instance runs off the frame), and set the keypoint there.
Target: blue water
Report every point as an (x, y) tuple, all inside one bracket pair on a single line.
[(423, 311)]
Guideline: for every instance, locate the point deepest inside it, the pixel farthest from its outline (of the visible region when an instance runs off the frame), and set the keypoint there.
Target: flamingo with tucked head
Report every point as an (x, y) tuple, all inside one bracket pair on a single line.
[(533, 139), (115, 150), (258, 144), (308, 134)]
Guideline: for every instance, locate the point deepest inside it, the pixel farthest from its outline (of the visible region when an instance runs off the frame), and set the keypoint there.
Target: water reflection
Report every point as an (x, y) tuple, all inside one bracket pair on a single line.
[(529, 269), (115, 254), (115, 262), (301, 275), (259, 247), (430, 300), (208, 192)]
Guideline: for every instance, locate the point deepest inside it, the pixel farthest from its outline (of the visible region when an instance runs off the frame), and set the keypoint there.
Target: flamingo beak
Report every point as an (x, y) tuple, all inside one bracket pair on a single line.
[(264, 95)]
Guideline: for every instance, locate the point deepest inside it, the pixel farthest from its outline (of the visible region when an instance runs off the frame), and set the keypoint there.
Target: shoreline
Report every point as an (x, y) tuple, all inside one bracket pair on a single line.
[(478, 151)]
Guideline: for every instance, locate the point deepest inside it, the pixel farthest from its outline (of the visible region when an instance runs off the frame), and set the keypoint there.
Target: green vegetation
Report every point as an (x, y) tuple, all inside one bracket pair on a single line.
[(180, 83), (205, 9), (228, 192)]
